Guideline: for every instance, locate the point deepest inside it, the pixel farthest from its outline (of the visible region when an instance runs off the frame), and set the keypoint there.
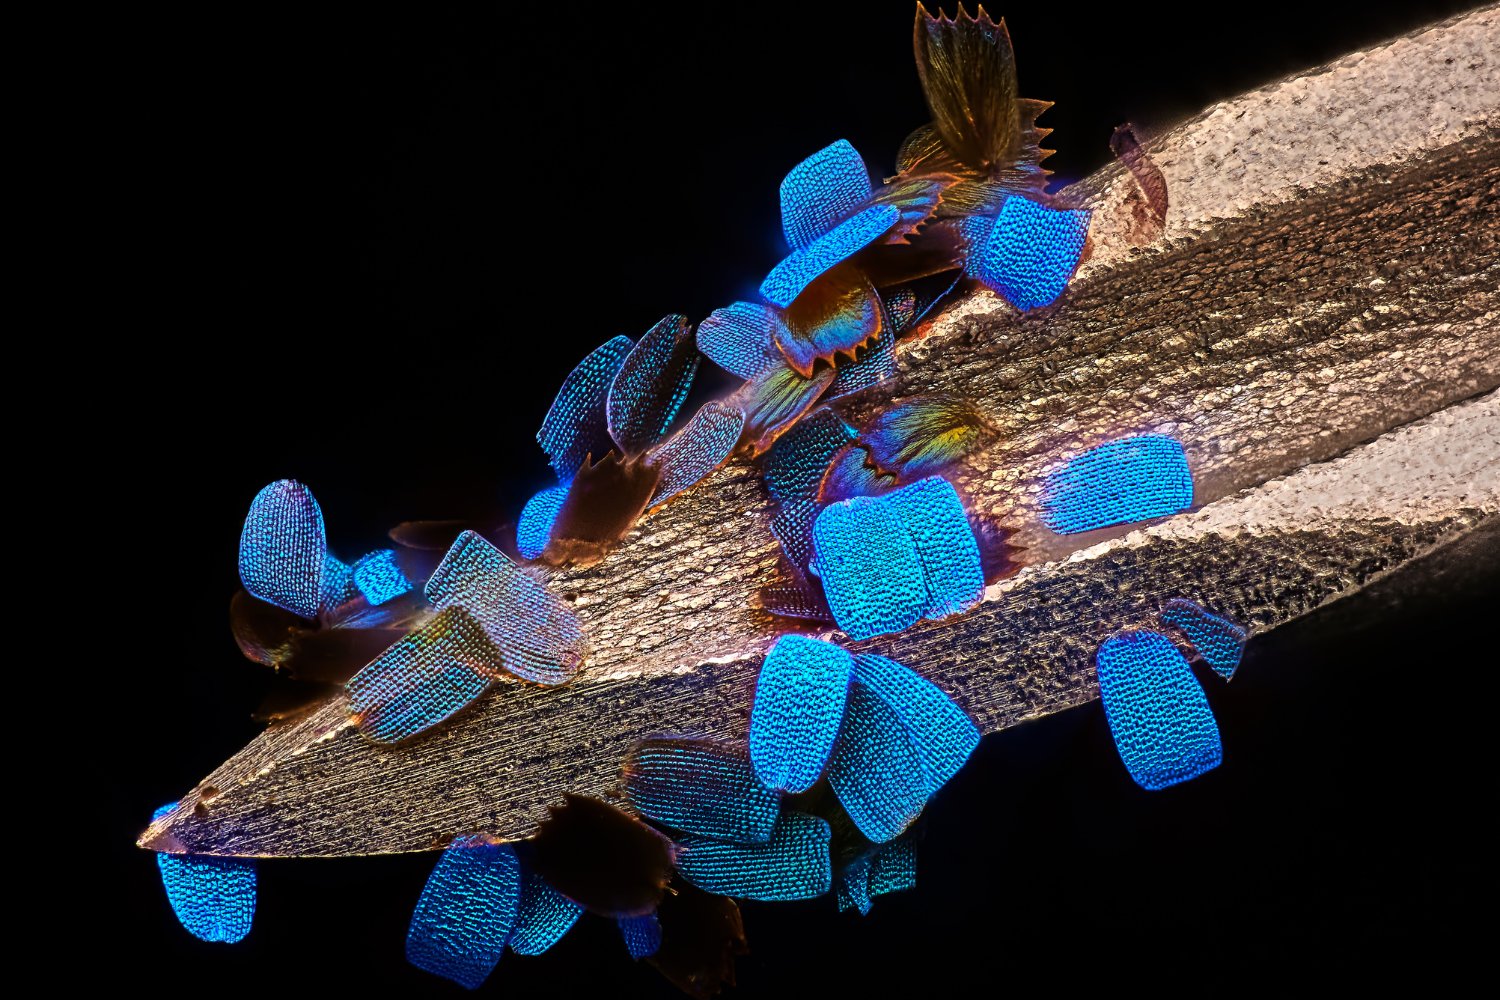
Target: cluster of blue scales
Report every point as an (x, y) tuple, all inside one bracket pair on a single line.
[(875, 539), (883, 738)]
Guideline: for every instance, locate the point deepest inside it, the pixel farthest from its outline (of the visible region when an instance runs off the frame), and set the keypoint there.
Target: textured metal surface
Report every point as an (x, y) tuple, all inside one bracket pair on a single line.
[(1278, 325)]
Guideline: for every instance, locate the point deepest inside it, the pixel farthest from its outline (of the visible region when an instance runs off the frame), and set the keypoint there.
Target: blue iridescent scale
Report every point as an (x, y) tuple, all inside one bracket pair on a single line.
[(876, 771), (943, 736), (1219, 641), (792, 526), (821, 191), (871, 571), (787, 280), (852, 886), (282, 548), (544, 916), (539, 636), (1162, 725), (466, 912), (887, 561), (1118, 482), (379, 578), (534, 529), (423, 678), (651, 385), (893, 867), (1030, 252), (799, 706), (642, 935), (701, 787), (890, 867), (945, 543), (739, 338), (338, 583), (795, 465), (576, 424), (213, 897), (684, 459), (793, 864)]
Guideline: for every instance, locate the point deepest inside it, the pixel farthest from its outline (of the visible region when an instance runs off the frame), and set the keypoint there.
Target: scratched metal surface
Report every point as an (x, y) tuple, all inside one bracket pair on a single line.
[(1307, 320)]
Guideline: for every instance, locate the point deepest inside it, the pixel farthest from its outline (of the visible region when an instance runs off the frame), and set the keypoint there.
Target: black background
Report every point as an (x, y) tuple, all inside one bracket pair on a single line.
[(363, 250)]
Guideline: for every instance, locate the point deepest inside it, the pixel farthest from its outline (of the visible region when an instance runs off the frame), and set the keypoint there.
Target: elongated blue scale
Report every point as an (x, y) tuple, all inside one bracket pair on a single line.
[(740, 339), (545, 915), (796, 464), (939, 526), (794, 470), (423, 678), (642, 935), (538, 636), (534, 529), (282, 548), (213, 897), (576, 424), (799, 705), (871, 571), (791, 526), (852, 886), (338, 583), (876, 771), (688, 456), (1118, 482), (466, 912), (1161, 722), (793, 864), (651, 385), (943, 736), (702, 787), (1031, 252), (1219, 641), (893, 867), (788, 278), (379, 578), (820, 191)]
